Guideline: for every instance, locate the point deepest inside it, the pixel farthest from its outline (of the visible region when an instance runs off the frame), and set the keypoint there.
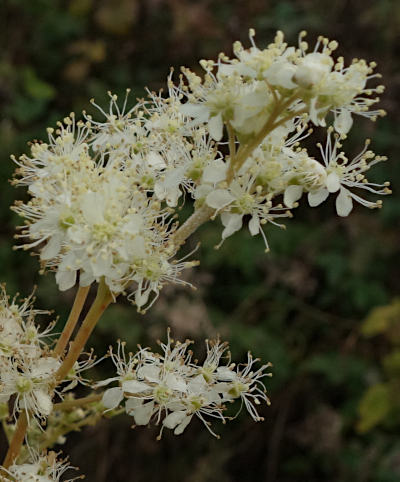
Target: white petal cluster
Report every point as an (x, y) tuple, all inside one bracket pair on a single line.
[(98, 197), (42, 468), (280, 90), (170, 388), (28, 366), (105, 194), (243, 91)]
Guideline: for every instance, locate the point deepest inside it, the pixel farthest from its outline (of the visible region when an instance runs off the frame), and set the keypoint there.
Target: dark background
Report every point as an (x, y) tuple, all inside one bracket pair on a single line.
[(309, 307)]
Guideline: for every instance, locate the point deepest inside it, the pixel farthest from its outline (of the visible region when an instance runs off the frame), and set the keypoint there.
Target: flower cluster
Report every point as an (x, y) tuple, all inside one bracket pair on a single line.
[(265, 101), (104, 194), (246, 91), (98, 192), (27, 366), (170, 388), (104, 204), (42, 468)]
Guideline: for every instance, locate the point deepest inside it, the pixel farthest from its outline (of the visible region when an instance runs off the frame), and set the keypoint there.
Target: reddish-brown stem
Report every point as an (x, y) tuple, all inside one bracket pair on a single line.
[(103, 299), (17, 440), (73, 318), (78, 402)]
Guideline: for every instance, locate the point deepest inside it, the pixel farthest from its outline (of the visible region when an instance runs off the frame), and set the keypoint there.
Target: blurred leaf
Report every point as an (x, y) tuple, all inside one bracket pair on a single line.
[(77, 70), (94, 51), (374, 407), (35, 87), (391, 364), (337, 368), (25, 110), (116, 16), (383, 319), (80, 8)]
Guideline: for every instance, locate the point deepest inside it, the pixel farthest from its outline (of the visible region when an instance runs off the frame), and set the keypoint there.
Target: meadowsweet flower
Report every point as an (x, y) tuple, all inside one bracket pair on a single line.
[(105, 193), (21, 338), (30, 382), (104, 218), (239, 200), (342, 174), (246, 384), (171, 389), (42, 468)]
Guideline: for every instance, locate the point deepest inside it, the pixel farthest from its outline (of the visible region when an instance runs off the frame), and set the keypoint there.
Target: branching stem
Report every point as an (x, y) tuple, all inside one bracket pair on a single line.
[(103, 298), (78, 402)]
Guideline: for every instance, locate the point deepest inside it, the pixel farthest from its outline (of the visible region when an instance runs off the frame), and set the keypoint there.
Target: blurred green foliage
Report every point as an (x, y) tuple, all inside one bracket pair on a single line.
[(335, 390)]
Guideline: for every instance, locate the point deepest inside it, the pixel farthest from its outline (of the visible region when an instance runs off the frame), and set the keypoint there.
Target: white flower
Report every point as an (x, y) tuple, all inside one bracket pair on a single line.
[(312, 69), (239, 200), (20, 337), (281, 74), (30, 381), (42, 468), (343, 174), (128, 383), (245, 384), (171, 389)]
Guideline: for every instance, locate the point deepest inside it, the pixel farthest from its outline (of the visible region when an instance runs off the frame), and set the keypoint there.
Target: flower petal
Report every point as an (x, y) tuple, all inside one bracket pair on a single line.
[(219, 198), (43, 401), (215, 172), (254, 225), (143, 413), (333, 182), (343, 122), (315, 198), (112, 397), (292, 194), (216, 127), (174, 418), (134, 386), (344, 203), (232, 222)]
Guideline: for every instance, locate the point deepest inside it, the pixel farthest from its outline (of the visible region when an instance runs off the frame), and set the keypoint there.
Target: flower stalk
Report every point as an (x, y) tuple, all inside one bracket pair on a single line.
[(17, 440), (103, 299), (73, 318)]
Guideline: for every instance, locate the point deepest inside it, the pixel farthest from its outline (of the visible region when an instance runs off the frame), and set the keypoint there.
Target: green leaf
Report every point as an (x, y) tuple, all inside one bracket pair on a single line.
[(35, 87), (383, 319), (391, 363), (374, 407)]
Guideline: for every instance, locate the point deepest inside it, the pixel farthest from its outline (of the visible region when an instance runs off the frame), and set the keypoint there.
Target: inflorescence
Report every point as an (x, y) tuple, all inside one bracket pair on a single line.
[(103, 208), (105, 194)]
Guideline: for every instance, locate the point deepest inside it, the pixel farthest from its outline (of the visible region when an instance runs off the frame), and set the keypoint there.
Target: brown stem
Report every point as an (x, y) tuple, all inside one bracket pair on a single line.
[(17, 440), (200, 216), (103, 299), (69, 404), (73, 318)]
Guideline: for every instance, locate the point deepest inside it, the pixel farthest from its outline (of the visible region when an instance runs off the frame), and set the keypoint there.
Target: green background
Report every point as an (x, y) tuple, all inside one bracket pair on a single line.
[(309, 306)]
